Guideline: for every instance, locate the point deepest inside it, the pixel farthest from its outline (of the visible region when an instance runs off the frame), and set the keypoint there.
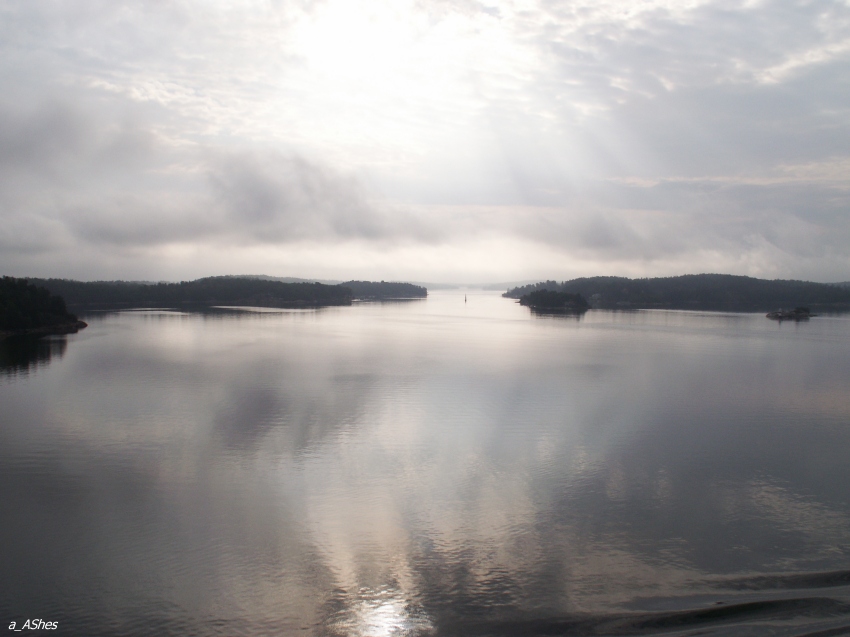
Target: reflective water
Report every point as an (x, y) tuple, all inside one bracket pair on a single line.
[(431, 467)]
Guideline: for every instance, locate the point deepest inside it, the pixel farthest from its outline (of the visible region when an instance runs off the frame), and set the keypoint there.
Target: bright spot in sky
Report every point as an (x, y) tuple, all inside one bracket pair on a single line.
[(392, 82), (348, 41)]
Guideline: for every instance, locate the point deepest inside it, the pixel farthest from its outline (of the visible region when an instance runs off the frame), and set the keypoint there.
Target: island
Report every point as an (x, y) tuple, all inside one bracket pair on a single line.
[(245, 291), (31, 310), (797, 314), (550, 301), (205, 292), (703, 292)]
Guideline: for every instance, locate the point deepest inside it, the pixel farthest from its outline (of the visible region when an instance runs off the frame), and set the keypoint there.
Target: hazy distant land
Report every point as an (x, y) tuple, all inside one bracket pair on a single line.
[(712, 292)]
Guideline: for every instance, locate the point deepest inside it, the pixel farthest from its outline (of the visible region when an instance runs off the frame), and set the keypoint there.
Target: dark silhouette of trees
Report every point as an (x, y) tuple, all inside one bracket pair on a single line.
[(24, 306), (371, 290), (552, 300), (202, 292), (223, 290), (718, 292)]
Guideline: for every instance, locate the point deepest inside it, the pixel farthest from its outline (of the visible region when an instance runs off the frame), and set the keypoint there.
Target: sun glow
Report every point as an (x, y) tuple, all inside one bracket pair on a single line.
[(351, 41), (391, 78)]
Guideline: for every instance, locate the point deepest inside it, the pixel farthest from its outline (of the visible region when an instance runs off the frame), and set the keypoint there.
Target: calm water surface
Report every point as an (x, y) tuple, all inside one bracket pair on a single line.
[(428, 468)]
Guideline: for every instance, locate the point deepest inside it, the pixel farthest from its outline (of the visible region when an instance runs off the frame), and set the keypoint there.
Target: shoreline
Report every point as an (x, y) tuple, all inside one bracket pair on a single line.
[(47, 330)]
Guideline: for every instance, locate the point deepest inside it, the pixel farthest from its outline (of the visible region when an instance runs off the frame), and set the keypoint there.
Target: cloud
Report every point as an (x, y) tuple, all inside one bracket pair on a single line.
[(628, 134), (69, 172), (71, 175), (272, 197)]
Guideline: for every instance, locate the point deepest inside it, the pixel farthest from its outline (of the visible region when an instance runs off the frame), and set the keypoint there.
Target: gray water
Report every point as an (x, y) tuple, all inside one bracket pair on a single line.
[(431, 467)]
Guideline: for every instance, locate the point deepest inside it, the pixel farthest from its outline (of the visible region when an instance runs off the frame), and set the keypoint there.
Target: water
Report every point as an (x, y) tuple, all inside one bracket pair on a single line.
[(428, 468)]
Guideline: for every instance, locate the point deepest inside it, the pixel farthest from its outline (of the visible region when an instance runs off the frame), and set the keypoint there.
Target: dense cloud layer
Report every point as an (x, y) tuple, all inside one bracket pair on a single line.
[(425, 139)]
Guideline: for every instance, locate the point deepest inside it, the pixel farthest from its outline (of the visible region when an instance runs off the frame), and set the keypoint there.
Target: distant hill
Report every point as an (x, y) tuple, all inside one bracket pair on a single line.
[(385, 290), (29, 309), (843, 284), (202, 292), (715, 292)]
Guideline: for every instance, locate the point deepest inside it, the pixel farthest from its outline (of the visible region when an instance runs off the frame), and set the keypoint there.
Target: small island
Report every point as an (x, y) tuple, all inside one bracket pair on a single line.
[(550, 301), (797, 314), (30, 310)]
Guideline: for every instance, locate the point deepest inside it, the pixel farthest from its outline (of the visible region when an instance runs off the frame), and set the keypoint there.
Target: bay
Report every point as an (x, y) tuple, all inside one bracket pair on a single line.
[(439, 466)]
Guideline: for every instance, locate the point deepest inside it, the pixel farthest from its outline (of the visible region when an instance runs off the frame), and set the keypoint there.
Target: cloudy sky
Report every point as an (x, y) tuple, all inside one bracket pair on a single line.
[(432, 140)]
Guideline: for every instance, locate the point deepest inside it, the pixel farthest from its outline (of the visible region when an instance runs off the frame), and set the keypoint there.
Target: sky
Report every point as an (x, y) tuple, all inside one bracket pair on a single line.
[(426, 140)]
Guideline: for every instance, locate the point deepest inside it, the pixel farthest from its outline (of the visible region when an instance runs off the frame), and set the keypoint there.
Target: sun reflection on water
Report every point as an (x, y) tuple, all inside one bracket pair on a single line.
[(383, 613)]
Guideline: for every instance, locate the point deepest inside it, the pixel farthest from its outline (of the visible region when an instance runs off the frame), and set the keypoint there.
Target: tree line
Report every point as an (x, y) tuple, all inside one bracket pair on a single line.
[(715, 292), (373, 290), (222, 290), (553, 300), (24, 306), (201, 292)]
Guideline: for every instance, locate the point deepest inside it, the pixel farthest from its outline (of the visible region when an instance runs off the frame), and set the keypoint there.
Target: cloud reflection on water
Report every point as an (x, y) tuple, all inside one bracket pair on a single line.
[(400, 468)]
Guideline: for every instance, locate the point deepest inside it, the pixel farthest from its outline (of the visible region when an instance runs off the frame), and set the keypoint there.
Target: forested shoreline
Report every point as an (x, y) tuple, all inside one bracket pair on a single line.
[(712, 292), (385, 290), (30, 309), (552, 301), (223, 290), (91, 295)]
